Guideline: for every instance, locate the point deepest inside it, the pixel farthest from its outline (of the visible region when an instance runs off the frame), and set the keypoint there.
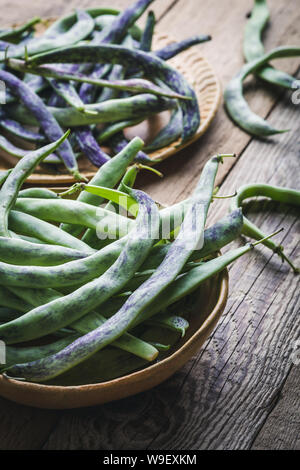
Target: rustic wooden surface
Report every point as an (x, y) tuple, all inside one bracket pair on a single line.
[(241, 391)]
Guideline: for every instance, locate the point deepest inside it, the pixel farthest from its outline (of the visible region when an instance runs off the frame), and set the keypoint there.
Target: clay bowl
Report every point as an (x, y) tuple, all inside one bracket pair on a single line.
[(210, 302)]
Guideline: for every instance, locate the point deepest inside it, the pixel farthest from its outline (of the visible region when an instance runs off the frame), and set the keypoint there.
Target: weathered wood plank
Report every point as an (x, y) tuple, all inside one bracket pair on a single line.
[(24, 428), (223, 396), (282, 429)]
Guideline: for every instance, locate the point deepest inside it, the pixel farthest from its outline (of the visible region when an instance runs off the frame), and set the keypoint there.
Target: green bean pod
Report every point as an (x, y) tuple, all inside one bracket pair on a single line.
[(25, 253), (30, 226), (109, 175), (23, 169), (237, 106), (276, 193), (254, 48)]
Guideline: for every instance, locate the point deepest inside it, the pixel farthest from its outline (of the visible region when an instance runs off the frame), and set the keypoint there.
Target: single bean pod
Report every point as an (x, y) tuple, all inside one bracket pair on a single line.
[(23, 169), (4, 175), (136, 107), (49, 124), (150, 64), (81, 29), (56, 314), (109, 175), (276, 193), (29, 226), (17, 152), (38, 193), (237, 106), (68, 92), (90, 237), (254, 48), (171, 50), (118, 142), (147, 36), (23, 253), (75, 213), (169, 134), (18, 130), (17, 32)]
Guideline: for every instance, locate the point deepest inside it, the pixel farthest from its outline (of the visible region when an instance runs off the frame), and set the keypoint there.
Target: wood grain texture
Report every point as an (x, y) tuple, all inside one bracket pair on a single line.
[(226, 397)]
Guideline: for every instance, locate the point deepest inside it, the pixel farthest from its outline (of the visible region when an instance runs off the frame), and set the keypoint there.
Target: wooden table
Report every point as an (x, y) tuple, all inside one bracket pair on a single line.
[(241, 391)]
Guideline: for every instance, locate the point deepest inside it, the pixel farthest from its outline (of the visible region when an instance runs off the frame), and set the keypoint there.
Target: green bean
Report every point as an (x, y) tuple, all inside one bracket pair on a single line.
[(110, 174), (8, 314), (237, 106), (58, 313), (7, 299), (38, 193), (3, 175), (30, 226), (23, 169), (134, 107), (134, 85), (25, 253), (253, 46), (14, 355), (73, 212), (80, 30), (68, 92), (112, 129), (276, 193), (90, 237), (146, 39), (11, 33)]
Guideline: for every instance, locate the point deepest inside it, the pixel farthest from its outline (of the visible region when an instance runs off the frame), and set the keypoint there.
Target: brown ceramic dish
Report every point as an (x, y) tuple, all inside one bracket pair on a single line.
[(211, 301)]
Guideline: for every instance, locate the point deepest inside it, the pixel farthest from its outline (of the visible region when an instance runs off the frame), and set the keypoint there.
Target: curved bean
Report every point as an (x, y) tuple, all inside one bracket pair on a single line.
[(18, 130), (12, 185), (17, 152), (12, 33), (170, 133), (175, 48), (134, 107), (23, 253), (30, 226), (38, 193), (254, 48), (276, 193), (110, 174), (237, 106), (80, 30)]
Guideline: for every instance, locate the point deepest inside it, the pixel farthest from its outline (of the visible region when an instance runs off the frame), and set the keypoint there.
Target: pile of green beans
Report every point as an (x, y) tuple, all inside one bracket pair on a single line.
[(132, 83), (77, 300), (257, 64)]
